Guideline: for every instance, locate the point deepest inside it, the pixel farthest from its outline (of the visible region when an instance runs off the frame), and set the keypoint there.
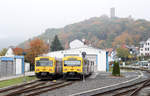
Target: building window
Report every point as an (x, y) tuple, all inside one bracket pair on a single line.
[(145, 49), (148, 43), (141, 46), (146, 54), (141, 49)]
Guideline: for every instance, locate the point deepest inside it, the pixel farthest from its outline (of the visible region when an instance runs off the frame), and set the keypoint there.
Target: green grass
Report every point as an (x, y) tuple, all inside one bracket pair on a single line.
[(15, 81)]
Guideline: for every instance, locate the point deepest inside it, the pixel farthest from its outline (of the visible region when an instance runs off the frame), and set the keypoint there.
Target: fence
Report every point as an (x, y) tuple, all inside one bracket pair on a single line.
[(9, 65)]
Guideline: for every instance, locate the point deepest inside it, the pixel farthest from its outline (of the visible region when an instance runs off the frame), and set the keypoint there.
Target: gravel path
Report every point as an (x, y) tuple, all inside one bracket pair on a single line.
[(101, 80)]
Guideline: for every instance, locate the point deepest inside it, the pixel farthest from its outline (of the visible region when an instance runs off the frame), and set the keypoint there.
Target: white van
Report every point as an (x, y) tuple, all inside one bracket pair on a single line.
[(144, 64)]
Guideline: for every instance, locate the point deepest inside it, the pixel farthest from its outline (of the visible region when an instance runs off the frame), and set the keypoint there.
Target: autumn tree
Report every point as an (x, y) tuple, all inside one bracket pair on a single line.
[(124, 38), (37, 47), (18, 51), (3, 52), (56, 45), (103, 32), (123, 53)]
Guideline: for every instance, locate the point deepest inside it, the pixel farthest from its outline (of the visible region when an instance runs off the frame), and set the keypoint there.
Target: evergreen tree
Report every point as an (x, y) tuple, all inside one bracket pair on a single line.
[(56, 45), (116, 69)]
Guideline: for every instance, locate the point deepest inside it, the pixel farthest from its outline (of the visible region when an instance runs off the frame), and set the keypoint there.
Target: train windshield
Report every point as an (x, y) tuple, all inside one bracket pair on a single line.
[(44, 63), (72, 63)]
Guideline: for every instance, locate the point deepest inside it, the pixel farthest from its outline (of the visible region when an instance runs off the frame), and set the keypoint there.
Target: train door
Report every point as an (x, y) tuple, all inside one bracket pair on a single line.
[(57, 66)]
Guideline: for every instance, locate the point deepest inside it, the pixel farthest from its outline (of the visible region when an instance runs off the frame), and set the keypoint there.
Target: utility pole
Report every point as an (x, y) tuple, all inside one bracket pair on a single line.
[(83, 55)]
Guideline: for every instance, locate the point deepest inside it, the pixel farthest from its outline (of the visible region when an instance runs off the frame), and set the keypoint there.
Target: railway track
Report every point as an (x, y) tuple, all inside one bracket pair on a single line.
[(130, 90), (127, 89), (17, 86), (49, 88), (33, 88)]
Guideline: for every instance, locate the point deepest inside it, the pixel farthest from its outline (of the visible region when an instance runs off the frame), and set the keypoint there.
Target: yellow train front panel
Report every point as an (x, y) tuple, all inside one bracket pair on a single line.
[(44, 66), (72, 64)]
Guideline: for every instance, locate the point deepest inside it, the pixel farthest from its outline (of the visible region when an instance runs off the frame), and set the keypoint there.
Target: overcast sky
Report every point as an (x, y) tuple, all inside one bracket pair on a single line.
[(23, 19)]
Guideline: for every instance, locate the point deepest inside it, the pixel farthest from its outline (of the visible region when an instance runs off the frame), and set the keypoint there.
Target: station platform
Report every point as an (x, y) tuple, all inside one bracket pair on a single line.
[(31, 73)]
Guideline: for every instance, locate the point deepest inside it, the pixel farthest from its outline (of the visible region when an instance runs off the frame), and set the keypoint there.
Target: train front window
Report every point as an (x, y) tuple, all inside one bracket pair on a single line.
[(72, 63), (44, 63)]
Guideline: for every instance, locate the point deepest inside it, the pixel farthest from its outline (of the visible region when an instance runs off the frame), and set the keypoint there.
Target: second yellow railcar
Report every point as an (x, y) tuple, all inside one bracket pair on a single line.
[(76, 67)]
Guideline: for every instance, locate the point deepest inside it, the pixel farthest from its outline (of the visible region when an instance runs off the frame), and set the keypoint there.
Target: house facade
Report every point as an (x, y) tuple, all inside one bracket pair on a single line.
[(145, 48)]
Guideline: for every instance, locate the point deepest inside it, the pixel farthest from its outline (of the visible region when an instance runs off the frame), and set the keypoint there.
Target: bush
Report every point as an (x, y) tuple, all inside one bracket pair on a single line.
[(116, 69)]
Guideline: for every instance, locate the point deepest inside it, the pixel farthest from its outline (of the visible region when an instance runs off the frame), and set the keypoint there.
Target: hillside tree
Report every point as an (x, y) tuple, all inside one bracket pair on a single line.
[(123, 53), (56, 45), (37, 47), (120, 31), (18, 51)]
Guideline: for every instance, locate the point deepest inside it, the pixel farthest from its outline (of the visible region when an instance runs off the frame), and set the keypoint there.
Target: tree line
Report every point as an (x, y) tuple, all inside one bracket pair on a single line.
[(102, 32), (36, 48)]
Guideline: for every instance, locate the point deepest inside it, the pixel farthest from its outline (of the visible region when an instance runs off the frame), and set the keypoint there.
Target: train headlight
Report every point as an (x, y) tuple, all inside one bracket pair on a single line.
[(37, 69), (65, 69), (50, 69), (78, 70)]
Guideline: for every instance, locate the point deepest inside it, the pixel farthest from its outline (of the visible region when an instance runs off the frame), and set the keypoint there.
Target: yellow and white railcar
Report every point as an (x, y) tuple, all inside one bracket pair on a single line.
[(47, 67), (76, 67)]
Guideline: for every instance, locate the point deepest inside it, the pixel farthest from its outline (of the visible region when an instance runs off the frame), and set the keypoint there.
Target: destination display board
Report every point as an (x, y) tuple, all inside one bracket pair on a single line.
[(72, 63)]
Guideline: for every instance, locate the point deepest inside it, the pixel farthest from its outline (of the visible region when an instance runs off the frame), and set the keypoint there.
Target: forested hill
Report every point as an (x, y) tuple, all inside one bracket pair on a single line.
[(102, 32)]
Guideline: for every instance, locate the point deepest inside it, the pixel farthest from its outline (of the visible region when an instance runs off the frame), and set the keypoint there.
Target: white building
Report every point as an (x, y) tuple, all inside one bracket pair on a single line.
[(76, 44), (100, 57), (145, 48), (9, 52), (11, 64)]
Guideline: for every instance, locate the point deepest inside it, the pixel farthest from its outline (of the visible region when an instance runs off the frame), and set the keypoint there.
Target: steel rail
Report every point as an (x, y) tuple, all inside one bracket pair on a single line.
[(49, 89), (16, 92), (17, 86), (38, 88), (118, 91), (133, 89), (147, 83)]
